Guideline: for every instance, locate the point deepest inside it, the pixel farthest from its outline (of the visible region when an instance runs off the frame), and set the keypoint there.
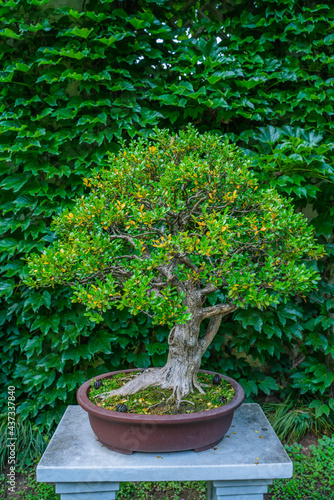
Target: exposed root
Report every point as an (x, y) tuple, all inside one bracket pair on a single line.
[(174, 378), (156, 404), (169, 400), (140, 382), (197, 385)]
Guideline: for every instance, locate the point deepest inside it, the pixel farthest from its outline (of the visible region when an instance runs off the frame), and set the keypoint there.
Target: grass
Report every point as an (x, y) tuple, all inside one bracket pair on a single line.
[(293, 419), (313, 479), (30, 442)]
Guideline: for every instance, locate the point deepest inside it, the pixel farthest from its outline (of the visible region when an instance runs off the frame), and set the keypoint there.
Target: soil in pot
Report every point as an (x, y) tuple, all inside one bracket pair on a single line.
[(155, 401)]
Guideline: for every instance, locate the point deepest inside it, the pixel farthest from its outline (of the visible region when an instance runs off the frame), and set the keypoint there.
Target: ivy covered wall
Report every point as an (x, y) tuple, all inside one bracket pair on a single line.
[(78, 77)]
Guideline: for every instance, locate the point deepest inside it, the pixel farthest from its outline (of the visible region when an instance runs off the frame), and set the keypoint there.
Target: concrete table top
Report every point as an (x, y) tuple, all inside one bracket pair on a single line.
[(249, 451)]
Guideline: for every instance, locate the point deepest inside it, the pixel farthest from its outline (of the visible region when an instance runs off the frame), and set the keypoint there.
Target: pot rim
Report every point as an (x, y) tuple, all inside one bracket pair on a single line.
[(111, 415)]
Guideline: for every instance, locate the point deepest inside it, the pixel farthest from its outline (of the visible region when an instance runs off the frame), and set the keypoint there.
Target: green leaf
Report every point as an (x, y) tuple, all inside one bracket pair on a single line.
[(137, 23), (7, 288), (271, 330), (320, 408), (100, 342), (249, 387), (33, 345), (140, 360), (54, 321), (7, 32), (8, 245), (80, 32), (267, 385), (15, 182), (329, 38), (41, 323), (293, 330), (64, 113), (71, 380), (37, 300), (250, 317), (321, 374), (156, 347)]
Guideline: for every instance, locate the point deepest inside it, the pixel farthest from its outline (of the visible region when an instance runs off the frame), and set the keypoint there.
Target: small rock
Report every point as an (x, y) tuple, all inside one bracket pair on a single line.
[(122, 408)]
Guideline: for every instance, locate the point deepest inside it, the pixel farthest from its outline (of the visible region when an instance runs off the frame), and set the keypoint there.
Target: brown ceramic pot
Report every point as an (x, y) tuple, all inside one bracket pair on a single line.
[(128, 432)]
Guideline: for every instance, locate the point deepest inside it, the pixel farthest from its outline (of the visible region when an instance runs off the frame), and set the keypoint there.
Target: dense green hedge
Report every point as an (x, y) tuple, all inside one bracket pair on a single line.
[(74, 82)]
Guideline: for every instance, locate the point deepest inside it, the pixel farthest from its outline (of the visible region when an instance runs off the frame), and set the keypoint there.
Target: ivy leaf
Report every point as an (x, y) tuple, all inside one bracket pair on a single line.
[(64, 113), (271, 330), (329, 38), (54, 321), (80, 32), (250, 317), (7, 32), (37, 300), (320, 408), (156, 347), (100, 342), (269, 134), (267, 385), (249, 387), (15, 182), (138, 23), (41, 323), (8, 245), (7, 288)]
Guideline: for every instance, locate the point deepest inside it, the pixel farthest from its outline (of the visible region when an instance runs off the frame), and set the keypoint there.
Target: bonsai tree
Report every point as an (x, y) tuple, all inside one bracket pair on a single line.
[(171, 220)]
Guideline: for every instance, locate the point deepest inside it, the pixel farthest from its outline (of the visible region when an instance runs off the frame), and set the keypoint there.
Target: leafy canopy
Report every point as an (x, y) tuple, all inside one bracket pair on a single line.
[(174, 212)]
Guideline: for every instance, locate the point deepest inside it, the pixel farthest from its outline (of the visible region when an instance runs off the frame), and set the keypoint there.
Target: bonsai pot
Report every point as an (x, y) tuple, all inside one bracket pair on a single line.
[(128, 432)]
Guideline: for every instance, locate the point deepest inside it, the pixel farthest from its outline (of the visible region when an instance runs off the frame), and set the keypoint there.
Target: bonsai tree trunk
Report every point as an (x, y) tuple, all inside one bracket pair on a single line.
[(185, 355)]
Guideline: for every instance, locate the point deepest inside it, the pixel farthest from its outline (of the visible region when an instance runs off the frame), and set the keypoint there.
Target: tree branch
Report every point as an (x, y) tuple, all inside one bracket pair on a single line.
[(129, 239), (210, 332), (223, 309), (209, 289), (187, 262), (130, 257), (117, 272)]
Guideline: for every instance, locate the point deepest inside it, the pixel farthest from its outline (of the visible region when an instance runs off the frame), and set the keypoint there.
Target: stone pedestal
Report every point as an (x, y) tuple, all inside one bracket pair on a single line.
[(240, 467)]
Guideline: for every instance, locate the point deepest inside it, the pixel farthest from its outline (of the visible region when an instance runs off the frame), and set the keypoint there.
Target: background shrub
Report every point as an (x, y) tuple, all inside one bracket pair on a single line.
[(75, 80)]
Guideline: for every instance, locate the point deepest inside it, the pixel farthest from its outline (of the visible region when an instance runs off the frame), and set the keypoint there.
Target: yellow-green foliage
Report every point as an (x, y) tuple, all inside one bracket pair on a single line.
[(189, 200)]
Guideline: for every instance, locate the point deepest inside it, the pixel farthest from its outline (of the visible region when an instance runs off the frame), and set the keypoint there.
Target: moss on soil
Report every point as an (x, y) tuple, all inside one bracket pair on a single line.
[(153, 401)]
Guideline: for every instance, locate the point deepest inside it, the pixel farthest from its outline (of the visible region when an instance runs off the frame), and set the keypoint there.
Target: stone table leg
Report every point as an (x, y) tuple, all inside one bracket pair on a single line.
[(238, 490), (87, 491)]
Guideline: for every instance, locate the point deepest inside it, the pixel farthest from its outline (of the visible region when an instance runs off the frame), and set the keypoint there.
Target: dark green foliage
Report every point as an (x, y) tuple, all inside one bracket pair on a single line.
[(171, 490), (293, 419), (313, 474), (30, 442), (74, 82)]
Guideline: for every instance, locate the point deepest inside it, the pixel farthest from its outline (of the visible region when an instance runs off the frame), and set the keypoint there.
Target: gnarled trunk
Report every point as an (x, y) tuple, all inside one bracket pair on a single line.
[(185, 351), (184, 360)]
